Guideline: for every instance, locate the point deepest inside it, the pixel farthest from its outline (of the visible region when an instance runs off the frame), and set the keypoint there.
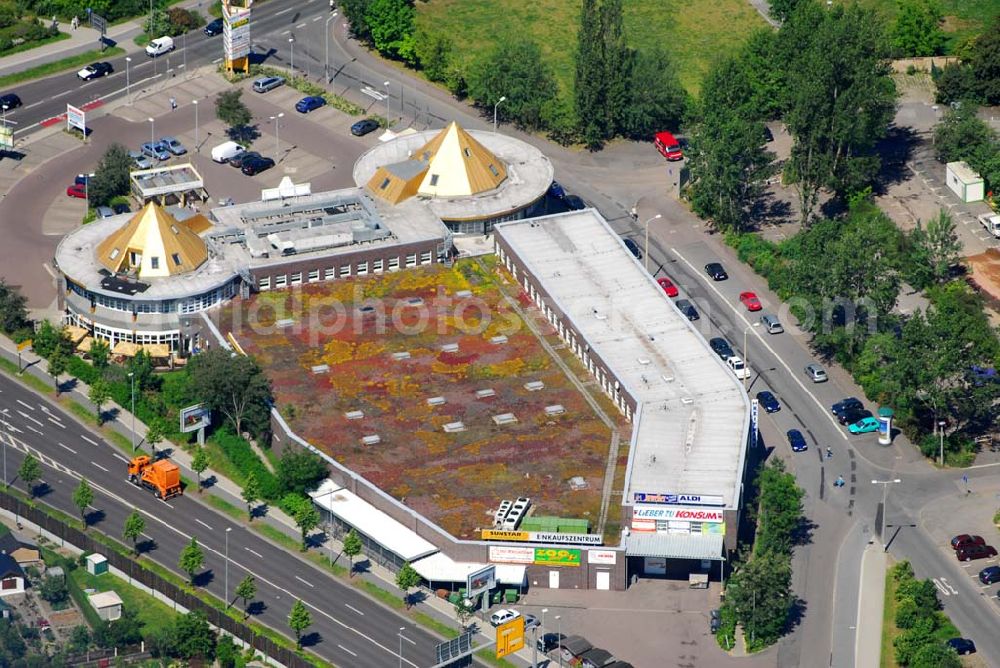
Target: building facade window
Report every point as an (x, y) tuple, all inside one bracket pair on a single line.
[(345, 270), (313, 275), (281, 281), (362, 268), (411, 260), (329, 274), (297, 278), (377, 266), (425, 257), (264, 283), (394, 264)]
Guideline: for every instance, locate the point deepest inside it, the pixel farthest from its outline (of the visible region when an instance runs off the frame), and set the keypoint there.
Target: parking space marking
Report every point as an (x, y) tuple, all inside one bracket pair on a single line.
[(346, 650), (254, 553), (305, 582), (88, 440), (348, 605), (29, 407), (100, 467)]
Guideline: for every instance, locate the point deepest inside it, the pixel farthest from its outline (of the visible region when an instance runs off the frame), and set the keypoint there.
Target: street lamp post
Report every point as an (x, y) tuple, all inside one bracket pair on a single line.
[(152, 129), (326, 46), (746, 355), (184, 51), (559, 635), (885, 495), (503, 98), (196, 146), (646, 249), (228, 529), (277, 144), (128, 79), (6, 425), (131, 378), (941, 424), (388, 123), (400, 634), (291, 45)]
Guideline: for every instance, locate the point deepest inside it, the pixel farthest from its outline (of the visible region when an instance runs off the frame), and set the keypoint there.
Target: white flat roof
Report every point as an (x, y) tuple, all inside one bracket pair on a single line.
[(692, 420), (105, 599), (371, 522), (440, 567)]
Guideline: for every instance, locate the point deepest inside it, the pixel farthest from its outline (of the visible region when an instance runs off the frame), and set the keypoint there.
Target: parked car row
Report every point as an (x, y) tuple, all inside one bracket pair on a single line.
[(968, 547), (310, 102)]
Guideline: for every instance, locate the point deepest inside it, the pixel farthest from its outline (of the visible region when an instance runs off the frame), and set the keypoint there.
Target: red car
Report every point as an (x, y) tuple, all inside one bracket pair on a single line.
[(970, 552), (77, 190), (750, 300), (668, 286), (965, 540)]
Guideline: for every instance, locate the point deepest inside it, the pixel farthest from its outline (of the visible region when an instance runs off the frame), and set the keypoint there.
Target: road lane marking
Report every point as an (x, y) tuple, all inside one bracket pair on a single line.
[(823, 409), (305, 582), (57, 423), (284, 11), (35, 430), (89, 440), (254, 552), (28, 406), (318, 18), (346, 650), (407, 639), (63, 445), (348, 605), (100, 467), (28, 417), (303, 24), (286, 32), (203, 524)]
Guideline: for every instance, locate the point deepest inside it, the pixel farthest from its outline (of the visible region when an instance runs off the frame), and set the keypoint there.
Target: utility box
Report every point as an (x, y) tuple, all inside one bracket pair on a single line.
[(97, 564), (964, 182)]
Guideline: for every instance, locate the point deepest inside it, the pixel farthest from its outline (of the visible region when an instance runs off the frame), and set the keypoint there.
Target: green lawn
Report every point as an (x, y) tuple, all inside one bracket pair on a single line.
[(695, 32), (154, 614), (962, 18)]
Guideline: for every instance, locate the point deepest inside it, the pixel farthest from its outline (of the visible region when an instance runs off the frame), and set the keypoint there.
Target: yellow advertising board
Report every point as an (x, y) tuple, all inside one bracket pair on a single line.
[(496, 534), (23, 345), (556, 557), (510, 637)]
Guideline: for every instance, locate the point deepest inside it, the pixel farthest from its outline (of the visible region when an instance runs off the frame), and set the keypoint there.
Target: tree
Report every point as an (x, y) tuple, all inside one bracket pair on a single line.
[(192, 559), (236, 387), (307, 518), (30, 472), (760, 593), (83, 496), (58, 364), (434, 52), (917, 30), (935, 655), (299, 620), (355, 11), (50, 338), (79, 638), (985, 62), (13, 309), (616, 65), (909, 642), (126, 630), (956, 82), (300, 470), (194, 638), (134, 526), (352, 548), (54, 590), (231, 110), (589, 85), (406, 579), (941, 244), (779, 511), (390, 25), (782, 9), (156, 432), (111, 178), (99, 395), (840, 99), (516, 70), (99, 353), (657, 100), (251, 493), (962, 135), (463, 611), (199, 463), (246, 590)]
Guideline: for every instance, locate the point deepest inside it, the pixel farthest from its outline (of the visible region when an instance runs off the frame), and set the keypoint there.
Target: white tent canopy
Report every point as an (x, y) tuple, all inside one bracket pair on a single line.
[(440, 567)]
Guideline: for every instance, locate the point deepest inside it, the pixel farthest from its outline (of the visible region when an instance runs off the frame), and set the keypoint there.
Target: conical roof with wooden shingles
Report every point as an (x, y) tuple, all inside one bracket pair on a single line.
[(154, 245)]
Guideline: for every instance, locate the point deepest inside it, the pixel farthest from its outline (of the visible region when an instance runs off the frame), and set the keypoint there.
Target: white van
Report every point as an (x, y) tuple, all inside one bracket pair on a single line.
[(738, 367), (159, 46), (226, 151)]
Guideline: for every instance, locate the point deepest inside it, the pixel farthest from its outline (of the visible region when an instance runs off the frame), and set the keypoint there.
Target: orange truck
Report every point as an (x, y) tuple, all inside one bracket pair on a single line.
[(161, 476)]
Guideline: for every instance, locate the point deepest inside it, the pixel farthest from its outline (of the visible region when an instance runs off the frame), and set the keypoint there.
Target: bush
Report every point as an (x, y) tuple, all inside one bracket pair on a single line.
[(244, 459), (907, 613), (182, 20)]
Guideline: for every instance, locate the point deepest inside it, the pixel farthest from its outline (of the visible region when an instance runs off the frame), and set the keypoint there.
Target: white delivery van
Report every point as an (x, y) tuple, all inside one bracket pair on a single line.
[(159, 46), (991, 221), (226, 151)]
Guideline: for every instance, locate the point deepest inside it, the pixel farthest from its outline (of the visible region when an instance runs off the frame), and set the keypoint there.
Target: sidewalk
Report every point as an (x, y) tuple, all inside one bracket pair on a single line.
[(871, 601)]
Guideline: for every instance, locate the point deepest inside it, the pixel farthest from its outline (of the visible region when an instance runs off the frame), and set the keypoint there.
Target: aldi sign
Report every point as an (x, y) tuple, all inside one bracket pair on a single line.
[(678, 499)]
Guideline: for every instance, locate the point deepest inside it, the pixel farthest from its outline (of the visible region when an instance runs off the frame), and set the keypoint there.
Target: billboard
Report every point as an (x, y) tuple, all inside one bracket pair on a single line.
[(602, 557), (235, 31), (481, 580), (679, 499), (6, 136), (76, 118), (537, 556), (194, 418), (512, 555), (653, 513), (543, 537)]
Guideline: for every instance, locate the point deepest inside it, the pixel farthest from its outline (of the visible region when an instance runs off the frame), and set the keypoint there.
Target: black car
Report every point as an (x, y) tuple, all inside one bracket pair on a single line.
[(633, 248), (990, 575), (716, 271), (363, 127), (256, 165), (721, 347), (796, 440), (238, 160), (9, 101), (121, 207), (854, 415), (556, 190), (845, 405), (688, 309), (768, 401), (213, 28), (95, 71), (962, 645), (548, 642), (574, 203)]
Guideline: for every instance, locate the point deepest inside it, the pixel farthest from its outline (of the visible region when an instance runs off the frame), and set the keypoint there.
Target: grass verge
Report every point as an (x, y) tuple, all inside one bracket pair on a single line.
[(889, 630), (58, 66), (28, 46), (155, 615)]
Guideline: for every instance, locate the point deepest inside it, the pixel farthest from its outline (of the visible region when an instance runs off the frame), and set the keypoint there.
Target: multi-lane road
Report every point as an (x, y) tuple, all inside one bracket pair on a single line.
[(349, 628)]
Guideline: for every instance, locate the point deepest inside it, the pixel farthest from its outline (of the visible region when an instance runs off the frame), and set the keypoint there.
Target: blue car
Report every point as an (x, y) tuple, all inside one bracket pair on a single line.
[(307, 104), (768, 402), (797, 441)]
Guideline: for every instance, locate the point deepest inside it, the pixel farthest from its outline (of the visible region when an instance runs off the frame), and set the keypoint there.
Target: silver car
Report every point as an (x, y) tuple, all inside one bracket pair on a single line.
[(104, 212), (816, 373), (141, 161), (267, 83), (771, 323), (173, 145)]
